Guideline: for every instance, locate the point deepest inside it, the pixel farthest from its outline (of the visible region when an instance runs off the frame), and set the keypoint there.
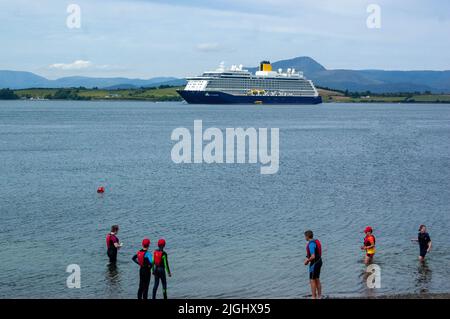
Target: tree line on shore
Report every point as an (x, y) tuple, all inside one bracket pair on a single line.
[(60, 94), (357, 94), (7, 94), (74, 94)]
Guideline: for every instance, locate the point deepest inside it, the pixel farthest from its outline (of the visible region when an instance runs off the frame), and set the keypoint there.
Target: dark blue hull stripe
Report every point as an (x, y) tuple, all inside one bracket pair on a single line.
[(209, 97)]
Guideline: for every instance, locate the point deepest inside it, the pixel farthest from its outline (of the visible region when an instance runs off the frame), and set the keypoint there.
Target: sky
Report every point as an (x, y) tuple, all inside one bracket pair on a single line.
[(144, 38)]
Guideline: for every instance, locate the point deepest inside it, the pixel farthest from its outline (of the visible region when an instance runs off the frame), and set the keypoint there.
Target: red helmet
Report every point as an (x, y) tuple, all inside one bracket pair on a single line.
[(161, 242), (146, 242), (368, 229)]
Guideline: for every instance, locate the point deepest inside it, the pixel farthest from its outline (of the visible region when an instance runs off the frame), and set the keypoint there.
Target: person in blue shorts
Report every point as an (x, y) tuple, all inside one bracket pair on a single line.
[(314, 260)]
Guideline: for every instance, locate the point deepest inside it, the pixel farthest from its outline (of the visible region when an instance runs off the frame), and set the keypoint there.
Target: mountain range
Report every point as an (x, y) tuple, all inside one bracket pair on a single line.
[(25, 80), (377, 81)]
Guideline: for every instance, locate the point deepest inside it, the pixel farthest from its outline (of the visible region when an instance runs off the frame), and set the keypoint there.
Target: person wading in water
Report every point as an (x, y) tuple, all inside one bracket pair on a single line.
[(113, 244), (144, 259), (314, 260), (160, 266), (424, 240), (369, 245)]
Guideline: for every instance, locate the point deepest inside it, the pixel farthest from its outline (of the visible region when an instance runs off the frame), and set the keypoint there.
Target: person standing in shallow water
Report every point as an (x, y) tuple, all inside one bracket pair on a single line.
[(144, 259), (424, 240), (314, 260), (369, 245), (113, 244), (160, 266)]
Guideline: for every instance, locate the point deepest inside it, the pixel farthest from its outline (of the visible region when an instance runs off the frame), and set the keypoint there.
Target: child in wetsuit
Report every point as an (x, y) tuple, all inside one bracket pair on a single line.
[(144, 259), (160, 266)]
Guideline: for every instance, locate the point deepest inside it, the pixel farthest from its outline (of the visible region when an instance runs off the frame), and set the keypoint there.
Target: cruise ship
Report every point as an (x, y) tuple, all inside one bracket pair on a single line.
[(237, 85)]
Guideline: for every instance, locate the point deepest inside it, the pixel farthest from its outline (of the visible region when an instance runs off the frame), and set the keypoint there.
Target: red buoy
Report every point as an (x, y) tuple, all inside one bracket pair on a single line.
[(100, 190)]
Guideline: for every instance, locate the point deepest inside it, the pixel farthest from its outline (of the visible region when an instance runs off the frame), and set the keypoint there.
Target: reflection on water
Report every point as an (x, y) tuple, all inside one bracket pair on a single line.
[(423, 277), (113, 281), (365, 279)]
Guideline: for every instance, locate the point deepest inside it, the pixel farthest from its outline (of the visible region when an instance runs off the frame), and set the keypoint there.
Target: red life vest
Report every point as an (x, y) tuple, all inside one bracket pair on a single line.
[(157, 258), (318, 251), (110, 240), (141, 257), (367, 241)]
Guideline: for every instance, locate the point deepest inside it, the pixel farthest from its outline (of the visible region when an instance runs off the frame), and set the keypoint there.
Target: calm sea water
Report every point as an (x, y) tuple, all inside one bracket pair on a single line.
[(231, 232)]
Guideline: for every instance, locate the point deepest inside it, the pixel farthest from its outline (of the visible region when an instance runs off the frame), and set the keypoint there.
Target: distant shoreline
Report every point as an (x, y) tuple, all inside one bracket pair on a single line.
[(169, 94)]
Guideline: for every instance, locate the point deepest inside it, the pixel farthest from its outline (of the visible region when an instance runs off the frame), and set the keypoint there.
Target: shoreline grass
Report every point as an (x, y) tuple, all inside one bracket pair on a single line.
[(161, 94)]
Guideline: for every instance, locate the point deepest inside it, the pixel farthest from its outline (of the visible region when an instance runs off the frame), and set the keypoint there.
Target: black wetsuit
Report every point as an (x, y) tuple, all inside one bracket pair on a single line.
[(111, 248), (424, 239), (144, 273), (159, 271)]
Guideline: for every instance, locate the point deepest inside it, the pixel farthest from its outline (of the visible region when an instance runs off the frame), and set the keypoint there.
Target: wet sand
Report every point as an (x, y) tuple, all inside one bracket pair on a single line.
[(417, 296), (403, 296)]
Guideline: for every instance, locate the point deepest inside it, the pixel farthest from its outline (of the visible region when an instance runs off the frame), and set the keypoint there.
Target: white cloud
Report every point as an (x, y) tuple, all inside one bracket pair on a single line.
[(75, 65), (208, 47)]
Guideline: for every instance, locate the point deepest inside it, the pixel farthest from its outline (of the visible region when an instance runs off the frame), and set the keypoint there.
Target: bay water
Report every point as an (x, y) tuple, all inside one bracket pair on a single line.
[(231, 232)]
